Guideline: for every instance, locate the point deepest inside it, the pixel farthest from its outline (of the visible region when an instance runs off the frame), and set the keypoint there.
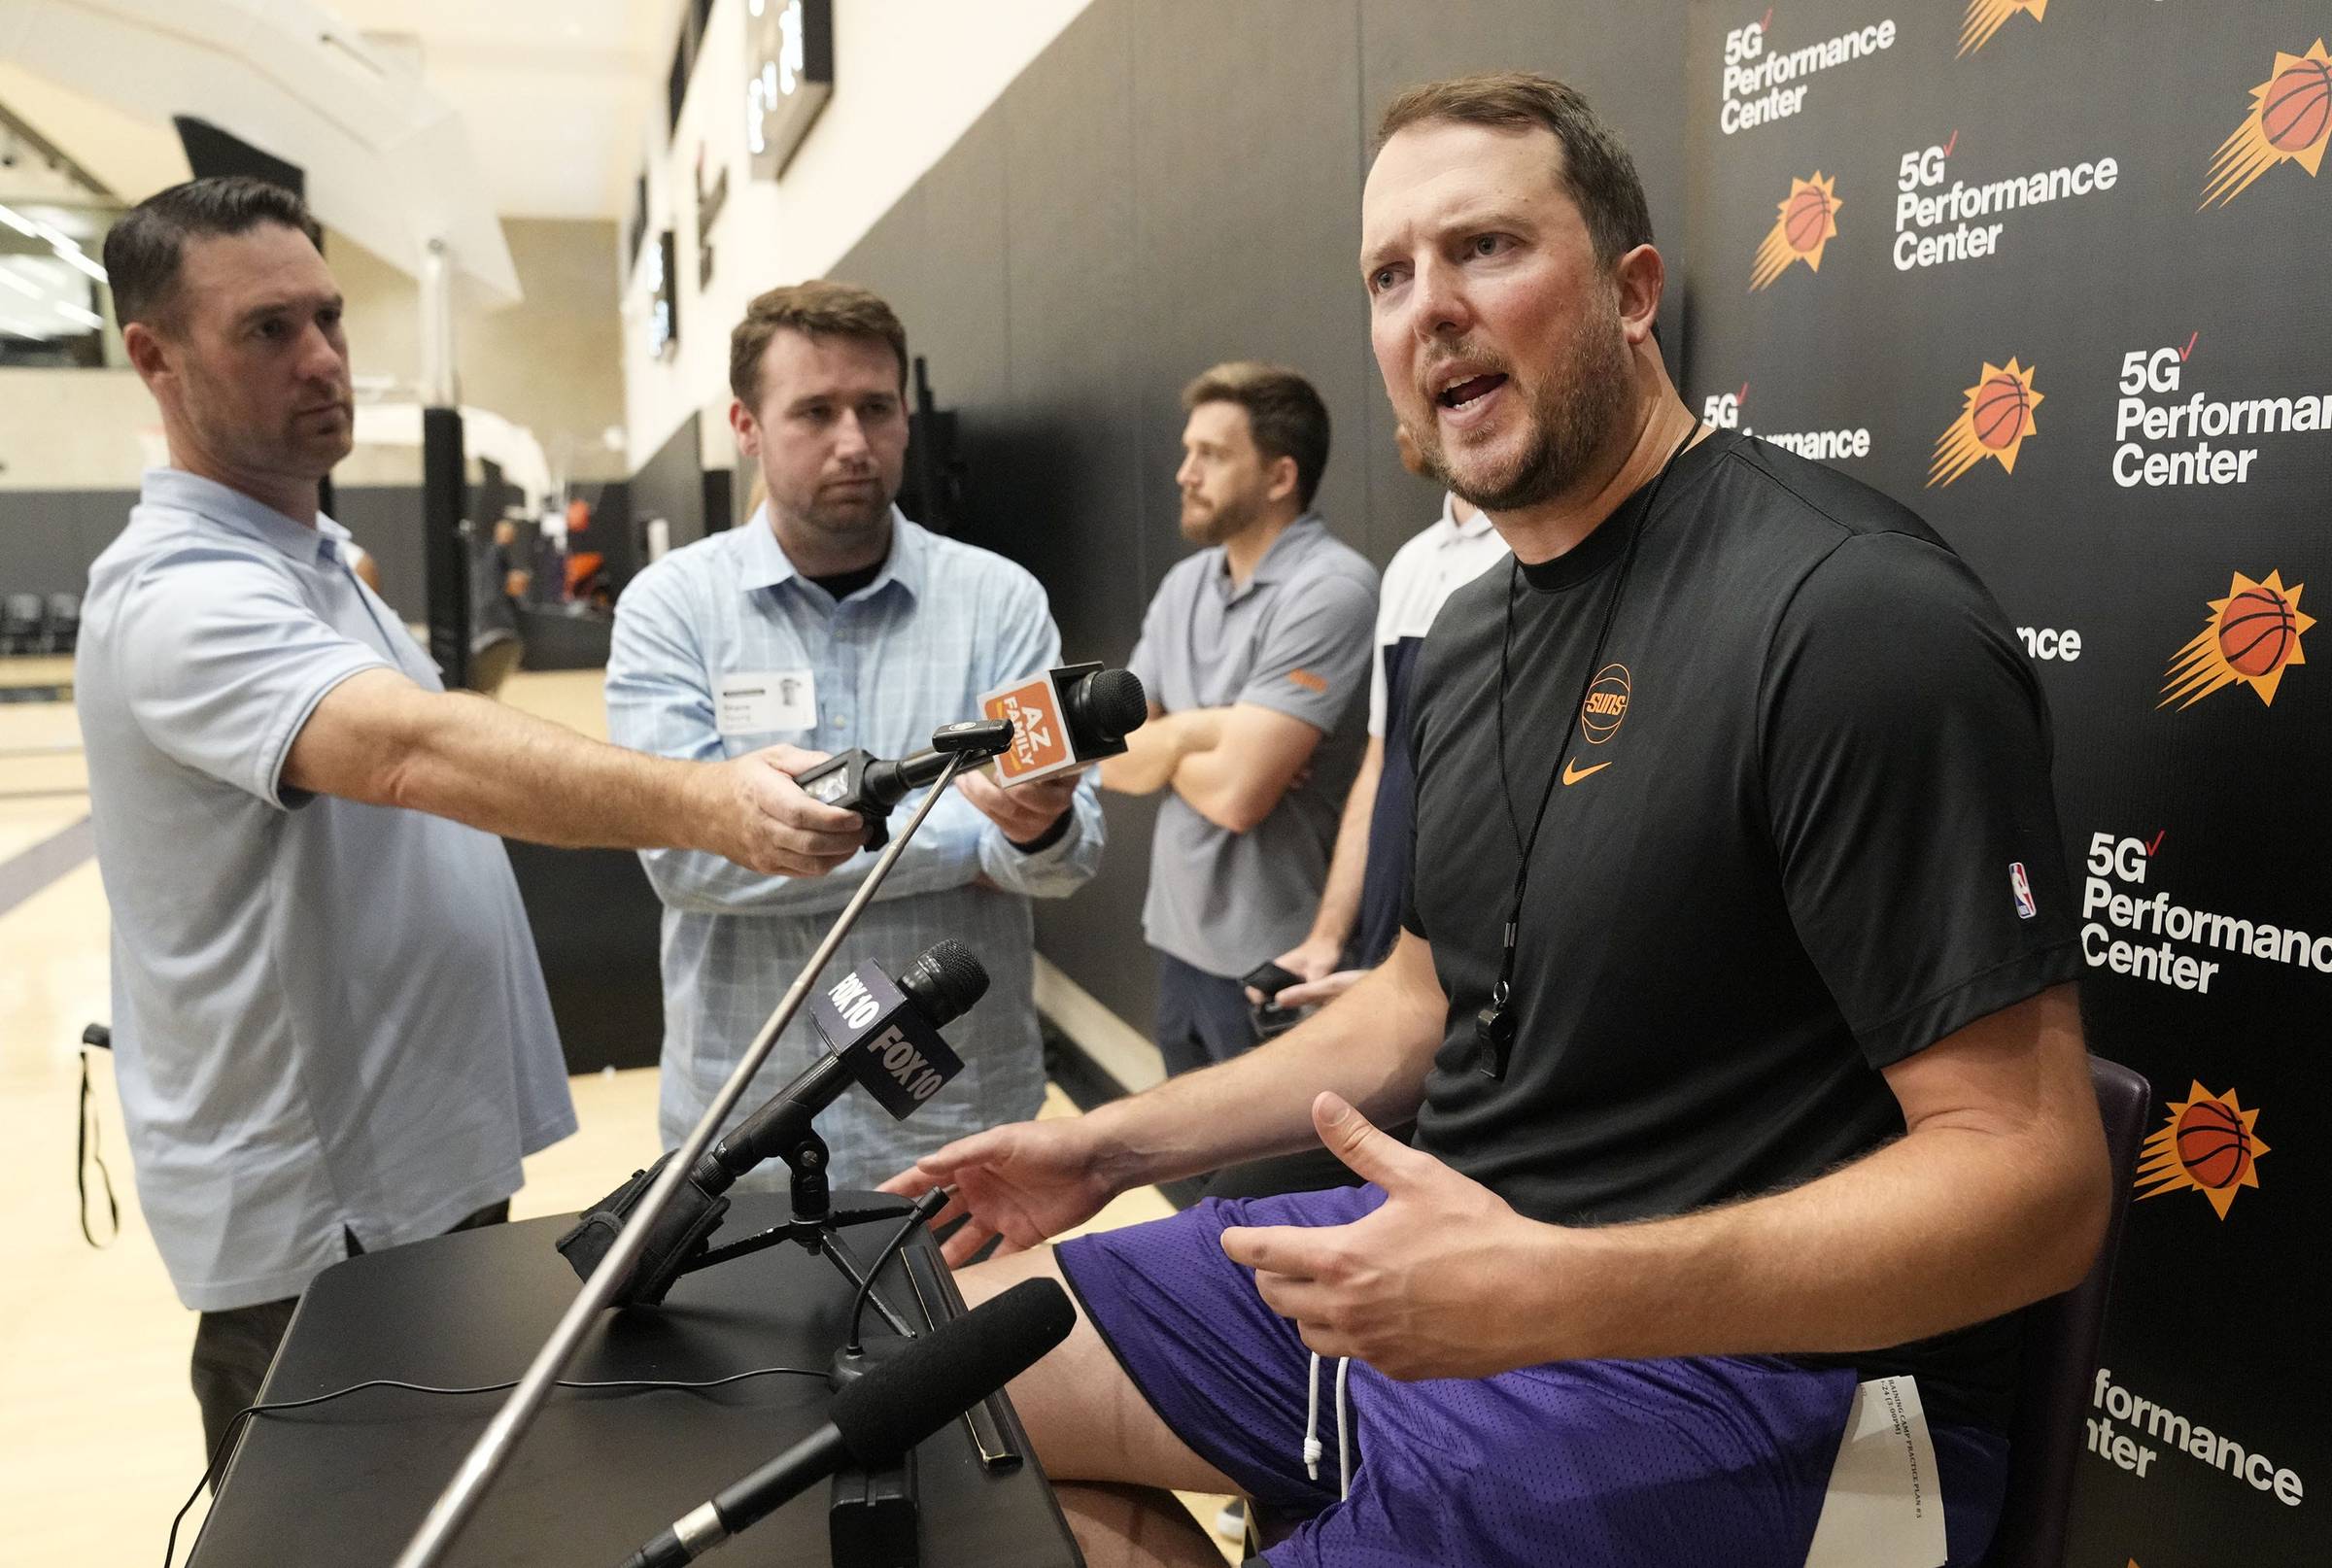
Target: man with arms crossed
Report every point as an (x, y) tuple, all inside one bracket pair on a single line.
[(1784, 1087), (1253, 652), (329, 1017), (830, 621)]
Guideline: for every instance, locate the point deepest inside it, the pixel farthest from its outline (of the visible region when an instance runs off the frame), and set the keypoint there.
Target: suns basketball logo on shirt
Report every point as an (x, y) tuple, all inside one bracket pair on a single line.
[(2207, 1144), (1808, 221), (2289, 123), (1994, 422), (1988, 17), (2253, 636), (1606, 707)]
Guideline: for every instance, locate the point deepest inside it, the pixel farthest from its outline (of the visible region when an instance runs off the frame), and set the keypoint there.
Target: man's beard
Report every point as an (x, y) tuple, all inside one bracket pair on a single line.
[(1571, 419), (1226, 521), (837, 518)]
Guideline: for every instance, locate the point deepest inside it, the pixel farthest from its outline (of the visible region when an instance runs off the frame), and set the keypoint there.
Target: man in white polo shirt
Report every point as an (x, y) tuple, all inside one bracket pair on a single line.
[(329, 1019)]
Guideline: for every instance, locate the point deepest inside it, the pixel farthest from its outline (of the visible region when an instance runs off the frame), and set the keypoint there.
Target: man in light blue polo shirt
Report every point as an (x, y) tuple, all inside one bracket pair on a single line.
[(830, 621), (328, 1019), (1255, 654)]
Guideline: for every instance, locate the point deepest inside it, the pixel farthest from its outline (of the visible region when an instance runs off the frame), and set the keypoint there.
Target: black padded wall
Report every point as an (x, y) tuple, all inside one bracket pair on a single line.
[(1165, 187)]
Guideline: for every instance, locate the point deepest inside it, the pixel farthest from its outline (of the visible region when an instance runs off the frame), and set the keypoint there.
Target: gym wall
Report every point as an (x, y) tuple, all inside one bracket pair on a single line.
[(1163, 188), (2048, 272)]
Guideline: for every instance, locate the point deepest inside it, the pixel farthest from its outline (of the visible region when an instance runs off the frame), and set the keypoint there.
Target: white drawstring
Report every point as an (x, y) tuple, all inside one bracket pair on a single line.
[(1312, 1444), (1312, 1421)]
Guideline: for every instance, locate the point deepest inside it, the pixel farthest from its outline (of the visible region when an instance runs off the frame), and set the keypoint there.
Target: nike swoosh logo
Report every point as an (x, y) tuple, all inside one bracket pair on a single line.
[(1573, 772)]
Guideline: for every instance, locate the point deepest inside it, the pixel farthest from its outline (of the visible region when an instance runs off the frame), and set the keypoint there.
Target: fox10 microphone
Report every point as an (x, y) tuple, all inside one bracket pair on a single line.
[(880, 1034), (877, 1419), (1065, 718)]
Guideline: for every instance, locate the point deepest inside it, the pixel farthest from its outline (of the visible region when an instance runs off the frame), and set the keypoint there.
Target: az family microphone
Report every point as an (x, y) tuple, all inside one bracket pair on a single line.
[(880, 1034), (1065, 718), (877, 1419), (872, 785)]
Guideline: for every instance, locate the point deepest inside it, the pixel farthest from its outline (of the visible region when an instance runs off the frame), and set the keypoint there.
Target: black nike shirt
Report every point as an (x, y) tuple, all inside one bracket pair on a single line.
[(1802, 829)]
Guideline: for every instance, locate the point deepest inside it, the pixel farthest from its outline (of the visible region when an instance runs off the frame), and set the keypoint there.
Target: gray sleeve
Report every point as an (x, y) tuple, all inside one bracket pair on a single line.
[(1313, 662)]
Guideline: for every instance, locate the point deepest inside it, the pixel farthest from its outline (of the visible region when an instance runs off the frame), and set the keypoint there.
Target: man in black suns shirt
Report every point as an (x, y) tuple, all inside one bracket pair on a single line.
[(1734, 1003)]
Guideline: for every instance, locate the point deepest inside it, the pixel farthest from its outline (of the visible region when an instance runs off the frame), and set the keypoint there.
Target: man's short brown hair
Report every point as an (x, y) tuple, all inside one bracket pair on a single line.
[(144, 249), (1284, 413), (1596, 170), (817, 308)]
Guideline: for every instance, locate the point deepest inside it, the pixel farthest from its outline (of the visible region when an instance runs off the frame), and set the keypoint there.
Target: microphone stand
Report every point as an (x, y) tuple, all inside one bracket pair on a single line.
[(491, 1451)]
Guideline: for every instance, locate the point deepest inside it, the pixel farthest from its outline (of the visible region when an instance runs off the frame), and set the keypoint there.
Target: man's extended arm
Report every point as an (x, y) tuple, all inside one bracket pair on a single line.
[(379, 738), (1995, 1196), (1030, 1181)]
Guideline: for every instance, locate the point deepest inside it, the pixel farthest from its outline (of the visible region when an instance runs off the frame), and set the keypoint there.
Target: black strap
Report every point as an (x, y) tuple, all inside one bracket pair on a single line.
[(1496, 1028), (88, 1150)]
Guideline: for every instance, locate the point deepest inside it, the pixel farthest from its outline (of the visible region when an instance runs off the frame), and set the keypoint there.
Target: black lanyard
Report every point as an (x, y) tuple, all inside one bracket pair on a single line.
[(1495, 1024)]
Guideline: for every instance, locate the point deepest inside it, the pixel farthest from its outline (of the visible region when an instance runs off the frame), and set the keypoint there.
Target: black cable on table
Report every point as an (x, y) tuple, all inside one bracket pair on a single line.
[(227, 1439)]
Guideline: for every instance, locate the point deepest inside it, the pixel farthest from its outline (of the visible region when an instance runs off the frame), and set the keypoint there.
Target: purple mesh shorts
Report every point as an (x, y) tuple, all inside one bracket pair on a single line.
[(1617, 1464)]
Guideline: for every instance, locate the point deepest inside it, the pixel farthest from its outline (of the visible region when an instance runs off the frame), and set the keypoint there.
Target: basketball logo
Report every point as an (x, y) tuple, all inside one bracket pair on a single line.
[(2207, 1143), (1993, 423), (1988, 17), (2253, 636), (1606, 705), (1808, 222), (2289, 123)]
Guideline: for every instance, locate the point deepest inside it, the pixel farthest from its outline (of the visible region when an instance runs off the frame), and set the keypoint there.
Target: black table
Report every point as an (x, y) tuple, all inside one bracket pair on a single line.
[(347, 1482)]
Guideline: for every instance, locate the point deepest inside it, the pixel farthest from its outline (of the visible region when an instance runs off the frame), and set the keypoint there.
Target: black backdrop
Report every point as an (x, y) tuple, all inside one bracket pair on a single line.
[(1169, 186)]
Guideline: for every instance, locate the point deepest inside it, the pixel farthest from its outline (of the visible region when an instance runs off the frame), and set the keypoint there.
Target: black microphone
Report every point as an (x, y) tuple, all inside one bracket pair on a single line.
[(880, 1035), (1066, 718), (858, 781), (877, 1419)]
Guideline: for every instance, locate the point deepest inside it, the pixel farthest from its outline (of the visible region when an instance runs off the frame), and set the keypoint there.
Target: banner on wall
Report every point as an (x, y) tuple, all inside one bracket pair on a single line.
[(2050, 272)]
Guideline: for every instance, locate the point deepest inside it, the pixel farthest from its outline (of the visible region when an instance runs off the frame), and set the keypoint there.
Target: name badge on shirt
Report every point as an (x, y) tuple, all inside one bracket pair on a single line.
[(755, 703)]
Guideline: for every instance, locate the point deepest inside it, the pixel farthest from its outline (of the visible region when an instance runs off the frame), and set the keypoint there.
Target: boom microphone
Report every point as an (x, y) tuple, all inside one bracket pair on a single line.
[(877, 1419), (858, 781), (880, 1034), (1066, 718)]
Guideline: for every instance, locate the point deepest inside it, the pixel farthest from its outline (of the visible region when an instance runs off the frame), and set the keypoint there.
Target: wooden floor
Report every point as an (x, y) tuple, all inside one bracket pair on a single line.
[(100, 1441)]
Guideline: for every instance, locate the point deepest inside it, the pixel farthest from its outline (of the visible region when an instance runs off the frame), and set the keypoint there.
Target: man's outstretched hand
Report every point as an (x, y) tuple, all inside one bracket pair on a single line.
[(1423, 1287), (1026, 1181)]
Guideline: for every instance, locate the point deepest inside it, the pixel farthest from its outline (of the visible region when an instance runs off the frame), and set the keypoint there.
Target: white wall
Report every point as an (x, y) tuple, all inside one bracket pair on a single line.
[(73, 429), (910, 77)]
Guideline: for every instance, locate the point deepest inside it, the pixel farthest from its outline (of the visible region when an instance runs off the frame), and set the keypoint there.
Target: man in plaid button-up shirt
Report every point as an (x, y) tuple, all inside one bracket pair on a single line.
[(830, 621)]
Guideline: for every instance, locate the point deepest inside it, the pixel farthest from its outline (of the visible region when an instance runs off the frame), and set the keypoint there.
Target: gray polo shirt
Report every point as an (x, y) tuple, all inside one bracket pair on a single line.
[(325, 1014), (1296, 639)]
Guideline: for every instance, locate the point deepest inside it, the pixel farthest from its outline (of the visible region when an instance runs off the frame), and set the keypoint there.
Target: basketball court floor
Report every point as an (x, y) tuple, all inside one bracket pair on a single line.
[(102, 1440)]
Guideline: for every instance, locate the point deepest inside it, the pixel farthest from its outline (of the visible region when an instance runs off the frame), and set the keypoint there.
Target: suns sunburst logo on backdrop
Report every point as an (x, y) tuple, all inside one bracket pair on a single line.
[(2253, 636), (2207, 1144), (2289, 123), (1988, 17), (1808, 220), (1997, 417)]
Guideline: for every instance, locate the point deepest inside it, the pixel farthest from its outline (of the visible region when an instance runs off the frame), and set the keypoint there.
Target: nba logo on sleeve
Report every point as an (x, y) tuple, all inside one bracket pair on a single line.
[(2022, 888)]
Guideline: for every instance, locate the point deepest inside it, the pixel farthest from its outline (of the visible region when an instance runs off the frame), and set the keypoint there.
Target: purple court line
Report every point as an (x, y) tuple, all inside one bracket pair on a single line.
[(29, 870)]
